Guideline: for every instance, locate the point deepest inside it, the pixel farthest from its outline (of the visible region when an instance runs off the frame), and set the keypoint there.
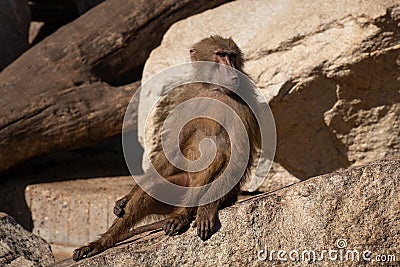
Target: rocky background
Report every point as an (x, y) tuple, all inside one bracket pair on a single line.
[(328, 69)]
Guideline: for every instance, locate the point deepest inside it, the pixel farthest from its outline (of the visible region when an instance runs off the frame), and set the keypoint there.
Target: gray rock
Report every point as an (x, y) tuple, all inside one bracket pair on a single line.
[(328, 69), (21, 248), (352, 214), (14, 29)]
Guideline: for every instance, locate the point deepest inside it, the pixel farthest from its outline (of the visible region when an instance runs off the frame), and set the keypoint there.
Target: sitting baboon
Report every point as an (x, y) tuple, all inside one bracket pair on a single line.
[(137, 204)]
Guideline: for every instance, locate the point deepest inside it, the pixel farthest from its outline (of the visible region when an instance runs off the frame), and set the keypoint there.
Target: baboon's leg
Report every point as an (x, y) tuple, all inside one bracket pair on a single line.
[(207, 215), (181, 179), (120, 204), (183, 216), (139, 206)]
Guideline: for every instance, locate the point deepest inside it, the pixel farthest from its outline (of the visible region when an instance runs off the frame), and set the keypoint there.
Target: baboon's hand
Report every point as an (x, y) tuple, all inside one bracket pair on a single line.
[(176, 224), (119, 207), (86, 251), (206, 225)]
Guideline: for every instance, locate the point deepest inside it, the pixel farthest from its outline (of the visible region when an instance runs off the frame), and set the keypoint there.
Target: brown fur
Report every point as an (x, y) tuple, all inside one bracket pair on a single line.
[(137, 204)]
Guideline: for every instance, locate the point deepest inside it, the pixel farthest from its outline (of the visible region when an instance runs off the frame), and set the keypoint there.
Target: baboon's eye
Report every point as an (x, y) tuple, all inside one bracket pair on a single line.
[(222, 54)]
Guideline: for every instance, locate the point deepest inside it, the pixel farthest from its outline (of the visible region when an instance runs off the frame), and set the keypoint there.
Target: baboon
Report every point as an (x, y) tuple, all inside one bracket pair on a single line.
[(138, 204)]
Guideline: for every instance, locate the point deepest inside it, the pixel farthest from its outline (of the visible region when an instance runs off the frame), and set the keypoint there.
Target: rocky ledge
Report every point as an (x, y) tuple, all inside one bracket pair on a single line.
[(350, 217)]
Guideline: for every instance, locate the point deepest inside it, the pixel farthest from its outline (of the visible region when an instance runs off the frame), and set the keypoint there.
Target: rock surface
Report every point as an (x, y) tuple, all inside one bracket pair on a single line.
[(329, 70), (14, 29), (71, 213), (356, 210), (20, 248)]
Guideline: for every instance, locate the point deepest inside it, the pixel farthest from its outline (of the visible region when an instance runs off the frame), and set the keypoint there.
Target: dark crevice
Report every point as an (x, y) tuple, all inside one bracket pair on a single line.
[(55, 14), (115, 76), (389, 22)]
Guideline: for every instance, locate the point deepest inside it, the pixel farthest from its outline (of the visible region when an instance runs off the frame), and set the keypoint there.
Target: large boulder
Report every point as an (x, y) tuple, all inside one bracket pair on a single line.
[(352, 215), (328, 69), (14, 29), (20, 248)]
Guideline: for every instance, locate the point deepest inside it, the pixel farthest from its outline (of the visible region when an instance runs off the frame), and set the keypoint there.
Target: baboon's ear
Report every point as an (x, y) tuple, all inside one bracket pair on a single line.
[(193, 55)]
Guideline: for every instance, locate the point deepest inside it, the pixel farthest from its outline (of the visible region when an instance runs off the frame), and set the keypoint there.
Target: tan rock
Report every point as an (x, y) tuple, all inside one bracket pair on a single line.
[(278, 177), (72, 213), (329, 70), (34, 29), (354, 214)]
